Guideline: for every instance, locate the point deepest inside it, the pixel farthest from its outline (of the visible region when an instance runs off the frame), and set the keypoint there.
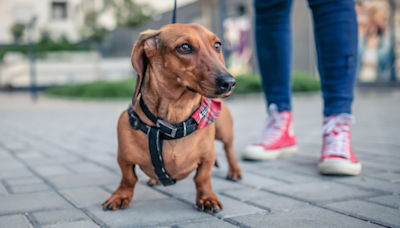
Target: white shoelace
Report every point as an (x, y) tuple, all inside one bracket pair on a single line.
[(274, 126), (338, 144)]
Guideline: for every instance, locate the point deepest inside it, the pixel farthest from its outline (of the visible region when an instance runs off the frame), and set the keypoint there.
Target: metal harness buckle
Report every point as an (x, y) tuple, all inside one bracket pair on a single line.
[(162, 125)]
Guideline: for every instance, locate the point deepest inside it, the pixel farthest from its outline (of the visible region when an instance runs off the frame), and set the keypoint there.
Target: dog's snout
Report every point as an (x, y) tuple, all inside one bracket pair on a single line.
[(225, 83)]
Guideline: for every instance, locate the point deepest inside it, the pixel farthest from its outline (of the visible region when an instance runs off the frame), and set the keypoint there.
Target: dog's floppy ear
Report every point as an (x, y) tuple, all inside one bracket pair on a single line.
[(145, 47)]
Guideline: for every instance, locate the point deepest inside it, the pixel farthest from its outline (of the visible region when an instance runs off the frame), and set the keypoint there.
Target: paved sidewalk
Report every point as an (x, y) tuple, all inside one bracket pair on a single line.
[(58, 164)]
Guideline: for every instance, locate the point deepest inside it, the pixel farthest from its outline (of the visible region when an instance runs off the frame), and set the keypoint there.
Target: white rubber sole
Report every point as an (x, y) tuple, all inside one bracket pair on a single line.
[(339, 166), (254, 152)]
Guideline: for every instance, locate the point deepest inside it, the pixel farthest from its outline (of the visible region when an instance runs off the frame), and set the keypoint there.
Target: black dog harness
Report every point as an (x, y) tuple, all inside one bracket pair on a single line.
[(157, 134)]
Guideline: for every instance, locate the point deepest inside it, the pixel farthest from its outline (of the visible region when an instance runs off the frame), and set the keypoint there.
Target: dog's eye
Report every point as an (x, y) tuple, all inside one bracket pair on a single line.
[(185, 49), (217, 46)]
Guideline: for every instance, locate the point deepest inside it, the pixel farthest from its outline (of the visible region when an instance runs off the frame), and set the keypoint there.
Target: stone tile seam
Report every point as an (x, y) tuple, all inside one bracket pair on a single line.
[(7, 187), (236, 223), (384, 224), (188, 222), (29, 220), (383, 179), (94, 218), (380, 204), (246, 202), (378, 191), (361, 217), (33, 220), (42, 178)]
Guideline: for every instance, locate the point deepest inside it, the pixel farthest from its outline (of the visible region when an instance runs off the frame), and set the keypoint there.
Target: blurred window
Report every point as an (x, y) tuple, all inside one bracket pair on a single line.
[(59, 10)]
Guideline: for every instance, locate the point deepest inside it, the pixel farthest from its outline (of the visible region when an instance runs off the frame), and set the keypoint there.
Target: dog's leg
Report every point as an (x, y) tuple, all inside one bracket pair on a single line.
[(206, 199), (121, 198), (224, 133)]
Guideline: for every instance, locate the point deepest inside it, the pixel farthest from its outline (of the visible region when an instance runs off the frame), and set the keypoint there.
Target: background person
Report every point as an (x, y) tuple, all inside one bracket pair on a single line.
[(336, 31)]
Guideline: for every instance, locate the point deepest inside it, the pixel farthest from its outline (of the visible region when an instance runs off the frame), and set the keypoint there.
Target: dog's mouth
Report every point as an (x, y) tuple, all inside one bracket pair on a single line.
[(191, 89)]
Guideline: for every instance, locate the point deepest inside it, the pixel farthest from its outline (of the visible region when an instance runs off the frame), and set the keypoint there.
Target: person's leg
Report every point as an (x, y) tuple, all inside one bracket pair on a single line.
[(335, 27), (274, 50)]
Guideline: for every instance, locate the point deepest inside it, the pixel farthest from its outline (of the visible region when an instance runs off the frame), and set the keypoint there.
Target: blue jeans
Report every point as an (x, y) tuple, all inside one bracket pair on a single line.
[(335, 29)]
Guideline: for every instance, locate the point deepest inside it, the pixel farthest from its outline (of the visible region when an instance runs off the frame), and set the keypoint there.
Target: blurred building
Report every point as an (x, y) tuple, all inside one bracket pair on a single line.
[(59, 17)]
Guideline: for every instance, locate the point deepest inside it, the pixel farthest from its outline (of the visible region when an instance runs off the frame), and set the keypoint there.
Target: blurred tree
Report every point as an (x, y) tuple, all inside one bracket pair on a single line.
[(17, 30), (92, 29), (45, 37), (132, 14)]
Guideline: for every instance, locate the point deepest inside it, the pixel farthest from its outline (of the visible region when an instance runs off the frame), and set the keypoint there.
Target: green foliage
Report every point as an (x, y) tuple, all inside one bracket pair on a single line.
[(248, 84), (44, 44), (125, 88), (301, 82), (98, 89), (17, 31)]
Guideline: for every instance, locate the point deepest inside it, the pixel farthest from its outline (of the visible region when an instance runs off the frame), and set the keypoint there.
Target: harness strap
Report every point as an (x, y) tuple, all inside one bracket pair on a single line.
[(157, 134)]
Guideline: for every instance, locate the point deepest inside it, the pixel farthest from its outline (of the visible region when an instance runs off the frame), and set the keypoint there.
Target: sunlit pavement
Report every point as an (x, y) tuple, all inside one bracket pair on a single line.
[(58, 164)]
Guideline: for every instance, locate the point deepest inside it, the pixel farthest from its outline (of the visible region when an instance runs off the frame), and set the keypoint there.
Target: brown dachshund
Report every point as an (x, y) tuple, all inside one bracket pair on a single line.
[(182, 63)]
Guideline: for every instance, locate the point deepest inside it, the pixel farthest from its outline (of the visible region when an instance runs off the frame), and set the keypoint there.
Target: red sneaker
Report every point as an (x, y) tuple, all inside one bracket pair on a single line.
[(337, 156), (277, 138)]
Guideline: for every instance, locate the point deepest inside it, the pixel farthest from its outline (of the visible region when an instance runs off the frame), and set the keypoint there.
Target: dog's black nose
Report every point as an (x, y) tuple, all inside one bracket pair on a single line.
[(225, 83)]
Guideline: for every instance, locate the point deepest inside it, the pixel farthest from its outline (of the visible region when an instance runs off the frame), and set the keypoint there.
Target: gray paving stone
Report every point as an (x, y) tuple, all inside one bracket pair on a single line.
[(84, 197), (83, 180), (27, 202), (141, 192), (79, 224), (368, 210), (258, 181), (231, 207), (278, 203), (6, 173), (84, 167), (3, 191), (14, 221), (10, 163), (268, 201), (59, 216), (322, 191), (392, 177), (302, 217), (290, 177), (214, 222), (369, 183), (51, 170), (24, 181), (30, 188), (248, 194), (53, 160), (162, 212), (27, 155), (392, 200)]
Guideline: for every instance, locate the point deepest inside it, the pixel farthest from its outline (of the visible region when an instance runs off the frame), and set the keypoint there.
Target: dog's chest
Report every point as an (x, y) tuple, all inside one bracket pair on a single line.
[(180, 158)]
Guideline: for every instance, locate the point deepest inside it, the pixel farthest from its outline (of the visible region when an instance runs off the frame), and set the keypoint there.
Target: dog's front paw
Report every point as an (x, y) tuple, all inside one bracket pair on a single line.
[(120, 199), (210, 204), (234, 174)]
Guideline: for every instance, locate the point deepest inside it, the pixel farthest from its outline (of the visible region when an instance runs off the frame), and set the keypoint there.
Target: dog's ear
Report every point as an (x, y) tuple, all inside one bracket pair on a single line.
[(145, 47)]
